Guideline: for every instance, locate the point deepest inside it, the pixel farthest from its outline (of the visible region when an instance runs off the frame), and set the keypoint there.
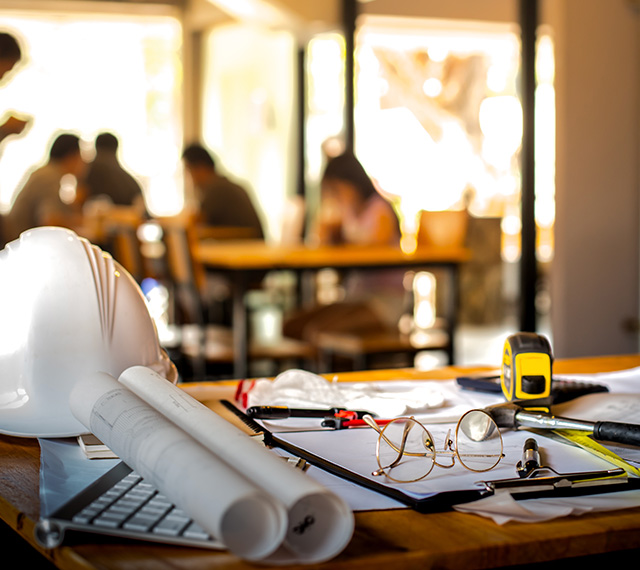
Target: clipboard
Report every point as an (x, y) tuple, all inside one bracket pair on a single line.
[(557, 485)]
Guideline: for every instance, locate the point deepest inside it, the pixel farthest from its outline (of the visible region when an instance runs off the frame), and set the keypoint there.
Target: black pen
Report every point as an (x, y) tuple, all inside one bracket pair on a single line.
[(283, 412), (530, 458)]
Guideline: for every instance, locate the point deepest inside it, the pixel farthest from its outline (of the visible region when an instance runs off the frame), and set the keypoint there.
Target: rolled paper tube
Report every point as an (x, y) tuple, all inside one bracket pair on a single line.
[(320, 523), (250, 523)]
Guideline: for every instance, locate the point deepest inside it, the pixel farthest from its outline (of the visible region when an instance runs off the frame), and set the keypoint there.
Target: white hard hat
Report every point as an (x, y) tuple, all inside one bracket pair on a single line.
[(67, 310)]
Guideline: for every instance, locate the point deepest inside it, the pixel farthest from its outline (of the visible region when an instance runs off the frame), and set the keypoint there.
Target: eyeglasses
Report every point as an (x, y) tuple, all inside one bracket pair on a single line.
[(406, 451)]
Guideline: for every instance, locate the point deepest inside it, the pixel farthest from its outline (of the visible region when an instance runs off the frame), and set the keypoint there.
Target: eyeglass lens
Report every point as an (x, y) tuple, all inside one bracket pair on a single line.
[(478, 441), (405, 450)]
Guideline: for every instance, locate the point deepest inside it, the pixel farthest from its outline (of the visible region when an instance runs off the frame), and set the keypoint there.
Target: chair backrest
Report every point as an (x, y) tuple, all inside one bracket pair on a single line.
[(186, 276), (121, 231), (446, 228), (182, 268)]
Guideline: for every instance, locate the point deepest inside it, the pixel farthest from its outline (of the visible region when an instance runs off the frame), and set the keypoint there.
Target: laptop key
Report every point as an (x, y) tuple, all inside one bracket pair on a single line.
[(140, 522), (171, 525), (195, 531)]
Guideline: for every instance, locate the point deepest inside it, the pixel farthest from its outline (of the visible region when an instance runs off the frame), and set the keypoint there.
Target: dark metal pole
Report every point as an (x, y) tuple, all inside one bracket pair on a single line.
[(349, 15), (301, 97), (528, 266)]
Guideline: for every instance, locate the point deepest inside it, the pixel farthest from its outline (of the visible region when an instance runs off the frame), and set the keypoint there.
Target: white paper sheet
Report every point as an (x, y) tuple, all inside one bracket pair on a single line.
[(617, 381), (354, 449), (603, 406), (503, 508)]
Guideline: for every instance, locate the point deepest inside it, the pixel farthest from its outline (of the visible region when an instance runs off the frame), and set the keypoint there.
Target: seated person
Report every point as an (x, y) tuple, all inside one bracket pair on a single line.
[(39, 202), (107, 178), (222, 202), (352, 210)]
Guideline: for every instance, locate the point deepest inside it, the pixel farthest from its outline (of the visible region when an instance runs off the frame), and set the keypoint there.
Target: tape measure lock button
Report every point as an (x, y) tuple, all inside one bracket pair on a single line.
[(533, 384)]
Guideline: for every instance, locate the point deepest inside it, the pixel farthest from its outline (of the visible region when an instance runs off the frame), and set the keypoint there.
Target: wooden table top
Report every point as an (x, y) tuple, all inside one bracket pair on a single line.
[(382, 539), (250, 254)]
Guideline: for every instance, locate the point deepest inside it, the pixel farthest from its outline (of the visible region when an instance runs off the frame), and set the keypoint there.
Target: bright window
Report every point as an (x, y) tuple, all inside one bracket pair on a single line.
[(438, 118), (87, 73), (248, 114)]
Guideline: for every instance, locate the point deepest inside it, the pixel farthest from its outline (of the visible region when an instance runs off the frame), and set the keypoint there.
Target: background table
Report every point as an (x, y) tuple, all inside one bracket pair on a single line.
[(382, 539), (243, 261)]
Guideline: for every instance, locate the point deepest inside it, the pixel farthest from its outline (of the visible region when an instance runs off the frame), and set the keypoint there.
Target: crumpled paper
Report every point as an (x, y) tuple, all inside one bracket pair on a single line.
[(301, 389)]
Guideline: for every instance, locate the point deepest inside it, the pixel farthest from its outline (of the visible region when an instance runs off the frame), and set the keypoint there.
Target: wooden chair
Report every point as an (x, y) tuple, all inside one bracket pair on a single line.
[(186, 277), (121, 240)]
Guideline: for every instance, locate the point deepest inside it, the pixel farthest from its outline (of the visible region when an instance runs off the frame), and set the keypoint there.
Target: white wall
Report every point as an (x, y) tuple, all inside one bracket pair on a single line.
[(595, 284)]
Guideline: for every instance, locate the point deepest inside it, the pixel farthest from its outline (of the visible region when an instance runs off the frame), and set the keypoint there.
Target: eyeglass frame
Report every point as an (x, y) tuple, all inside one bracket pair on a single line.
[(449, 449)]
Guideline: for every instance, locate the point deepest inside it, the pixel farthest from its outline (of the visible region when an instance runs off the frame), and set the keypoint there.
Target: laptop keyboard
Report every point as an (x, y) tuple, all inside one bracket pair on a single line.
[(121, 503)]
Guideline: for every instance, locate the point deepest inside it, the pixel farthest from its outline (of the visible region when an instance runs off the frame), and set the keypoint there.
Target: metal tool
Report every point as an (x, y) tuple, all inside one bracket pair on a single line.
[(561, 482), (283, 412), (534, 477), (526, 367), (512, 415)]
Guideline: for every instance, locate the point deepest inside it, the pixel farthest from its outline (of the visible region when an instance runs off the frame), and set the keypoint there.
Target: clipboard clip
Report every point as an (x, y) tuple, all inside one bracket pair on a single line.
[(536, 482)]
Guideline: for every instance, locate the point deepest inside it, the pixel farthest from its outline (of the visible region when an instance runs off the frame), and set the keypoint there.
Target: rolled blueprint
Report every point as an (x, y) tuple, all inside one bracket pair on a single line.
[(320, 523), (247, 521)]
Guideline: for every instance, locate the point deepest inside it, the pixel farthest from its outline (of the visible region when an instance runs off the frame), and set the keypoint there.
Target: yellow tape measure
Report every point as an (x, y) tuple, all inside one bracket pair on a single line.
[(582, 439), (526, 367)]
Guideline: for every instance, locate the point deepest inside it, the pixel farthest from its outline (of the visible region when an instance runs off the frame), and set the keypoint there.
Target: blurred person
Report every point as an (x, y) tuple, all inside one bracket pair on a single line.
[(351, 209), (39, 203), (106, 177), (10, 56), (221, 201)]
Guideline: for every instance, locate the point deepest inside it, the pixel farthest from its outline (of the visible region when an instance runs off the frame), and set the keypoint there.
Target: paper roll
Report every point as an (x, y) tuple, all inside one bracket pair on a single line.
[(320, 523), (247, 521)]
